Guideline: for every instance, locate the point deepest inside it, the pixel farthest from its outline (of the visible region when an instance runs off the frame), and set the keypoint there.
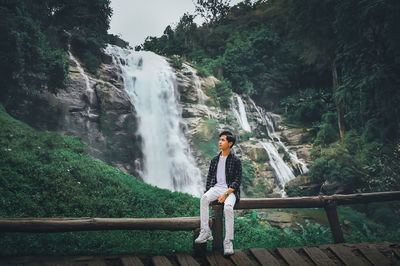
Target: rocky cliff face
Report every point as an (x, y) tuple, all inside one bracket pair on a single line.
[(204, 120), (104, 118)]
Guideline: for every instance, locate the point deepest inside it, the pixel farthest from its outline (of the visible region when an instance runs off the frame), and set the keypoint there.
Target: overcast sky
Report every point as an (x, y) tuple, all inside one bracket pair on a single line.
[(134, 20)]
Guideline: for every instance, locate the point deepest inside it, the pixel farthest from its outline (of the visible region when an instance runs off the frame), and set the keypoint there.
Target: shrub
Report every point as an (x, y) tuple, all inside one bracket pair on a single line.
[(248, 175), (327, 129), (176, 61), (224, 92)]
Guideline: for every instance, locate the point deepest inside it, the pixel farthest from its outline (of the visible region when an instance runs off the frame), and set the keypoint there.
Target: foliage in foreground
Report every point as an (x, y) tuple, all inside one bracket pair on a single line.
[(44, 174)]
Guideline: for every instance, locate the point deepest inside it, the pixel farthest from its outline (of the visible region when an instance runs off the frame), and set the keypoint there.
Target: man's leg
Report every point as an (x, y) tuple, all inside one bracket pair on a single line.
[(205, 232), (211, 195), (228, 210)]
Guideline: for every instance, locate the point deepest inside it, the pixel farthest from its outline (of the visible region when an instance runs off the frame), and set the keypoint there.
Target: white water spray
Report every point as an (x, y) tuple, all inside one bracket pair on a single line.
[(150, 82), (240, 114), (89, 90), (282, 171)]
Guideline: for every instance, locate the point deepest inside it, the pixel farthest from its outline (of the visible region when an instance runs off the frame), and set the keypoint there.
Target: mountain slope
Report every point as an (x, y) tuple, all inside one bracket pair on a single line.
[(45, 174)]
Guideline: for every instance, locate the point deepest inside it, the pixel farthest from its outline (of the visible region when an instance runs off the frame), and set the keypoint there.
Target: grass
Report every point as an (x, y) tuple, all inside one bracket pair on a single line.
[(45, 174)]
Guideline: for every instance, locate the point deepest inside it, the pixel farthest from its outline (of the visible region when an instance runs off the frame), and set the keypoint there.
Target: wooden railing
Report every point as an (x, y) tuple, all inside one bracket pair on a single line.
[(329, 203)]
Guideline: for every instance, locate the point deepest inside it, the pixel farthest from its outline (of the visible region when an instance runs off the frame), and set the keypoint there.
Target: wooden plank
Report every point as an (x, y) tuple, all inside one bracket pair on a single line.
[(346, 255), (316, 202), (199, 250), (333, 219), (264, 257), (397, 253), (97, 262), (216, 259), (64, 262), (240, 258), (160, 261), (318, 257), (186, 260), (373, 255), (131, 261), (291, 256), (217, 228), (89, 224)]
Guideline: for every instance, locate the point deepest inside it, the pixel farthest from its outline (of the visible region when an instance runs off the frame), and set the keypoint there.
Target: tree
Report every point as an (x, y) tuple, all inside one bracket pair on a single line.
[(311, 29), (212, 10), (28, 63), (369, 58)]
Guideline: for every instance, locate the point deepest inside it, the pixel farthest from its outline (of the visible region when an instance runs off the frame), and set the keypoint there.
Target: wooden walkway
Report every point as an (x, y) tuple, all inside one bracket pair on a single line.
[(380, 254)]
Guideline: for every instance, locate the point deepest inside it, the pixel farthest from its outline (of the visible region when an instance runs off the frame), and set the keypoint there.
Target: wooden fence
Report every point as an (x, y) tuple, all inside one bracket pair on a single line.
[(329, 203)]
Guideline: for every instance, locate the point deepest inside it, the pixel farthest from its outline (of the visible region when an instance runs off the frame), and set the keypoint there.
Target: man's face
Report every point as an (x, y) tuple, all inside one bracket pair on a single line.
[(223, 143)]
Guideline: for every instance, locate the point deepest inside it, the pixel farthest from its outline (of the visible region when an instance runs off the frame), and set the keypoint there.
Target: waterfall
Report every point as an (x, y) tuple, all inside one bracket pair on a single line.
[(240, 114), (282, 171), (292, 155), (150, 82), (197, 85), (89, 89), (201, 96), (90, 95)]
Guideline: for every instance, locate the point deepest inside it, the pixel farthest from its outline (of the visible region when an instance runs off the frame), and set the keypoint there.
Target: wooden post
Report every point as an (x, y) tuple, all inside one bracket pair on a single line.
[(333, 218), (199, 250), (217, 227)]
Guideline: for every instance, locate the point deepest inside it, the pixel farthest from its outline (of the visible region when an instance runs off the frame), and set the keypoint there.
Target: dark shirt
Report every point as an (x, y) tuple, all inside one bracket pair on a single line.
[(233, 173)]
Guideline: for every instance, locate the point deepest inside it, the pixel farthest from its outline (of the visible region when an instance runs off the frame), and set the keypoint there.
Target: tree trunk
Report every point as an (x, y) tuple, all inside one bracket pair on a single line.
[(339, 107)]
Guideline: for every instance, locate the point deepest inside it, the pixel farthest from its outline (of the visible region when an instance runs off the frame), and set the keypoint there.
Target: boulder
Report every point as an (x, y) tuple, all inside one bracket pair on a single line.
[(278, 219), (302, 185)]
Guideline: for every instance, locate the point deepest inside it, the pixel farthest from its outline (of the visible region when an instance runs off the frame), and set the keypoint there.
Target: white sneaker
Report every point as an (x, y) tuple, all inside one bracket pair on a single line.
[(204, 236), (228, 247)]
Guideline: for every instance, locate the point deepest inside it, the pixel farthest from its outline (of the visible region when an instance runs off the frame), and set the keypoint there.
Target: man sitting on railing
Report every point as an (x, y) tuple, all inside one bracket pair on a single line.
[(223, 183)]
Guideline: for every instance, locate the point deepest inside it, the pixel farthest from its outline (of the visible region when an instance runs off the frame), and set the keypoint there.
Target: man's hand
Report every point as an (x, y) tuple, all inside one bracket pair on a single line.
[(222, 198)]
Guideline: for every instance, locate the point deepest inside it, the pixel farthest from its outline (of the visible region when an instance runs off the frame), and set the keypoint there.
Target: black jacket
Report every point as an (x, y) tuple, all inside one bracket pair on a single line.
[(233, 172)]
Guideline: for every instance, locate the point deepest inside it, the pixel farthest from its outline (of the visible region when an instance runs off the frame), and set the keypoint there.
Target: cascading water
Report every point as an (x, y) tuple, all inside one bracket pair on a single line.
[(201, 96), (197, 85), (240, 114), (269, 125), (90, 96), (89, 90), (282, 171), (149, 81), (293, 156)]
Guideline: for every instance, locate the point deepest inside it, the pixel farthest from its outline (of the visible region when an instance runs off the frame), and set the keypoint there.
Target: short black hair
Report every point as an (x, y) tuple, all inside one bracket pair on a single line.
[(229, 137)]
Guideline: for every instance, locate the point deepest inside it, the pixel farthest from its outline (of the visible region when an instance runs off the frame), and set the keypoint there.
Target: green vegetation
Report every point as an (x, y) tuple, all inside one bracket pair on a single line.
[(248, 175), (206, 140), (331, 66), (34, 41), (44, 174), (223, 93), (358, 164), (286, 156), (306, 107), (356, 225), (246, 136), (370, 223), (176, 62)]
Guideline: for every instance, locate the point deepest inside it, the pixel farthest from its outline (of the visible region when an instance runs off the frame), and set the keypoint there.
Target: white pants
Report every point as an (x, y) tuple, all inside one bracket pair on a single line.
[(211, 195)]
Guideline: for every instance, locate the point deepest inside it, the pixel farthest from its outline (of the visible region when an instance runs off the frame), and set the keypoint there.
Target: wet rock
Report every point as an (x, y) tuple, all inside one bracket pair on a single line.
[(302, 185), (279, 219), (329, 188), (102, 117)]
